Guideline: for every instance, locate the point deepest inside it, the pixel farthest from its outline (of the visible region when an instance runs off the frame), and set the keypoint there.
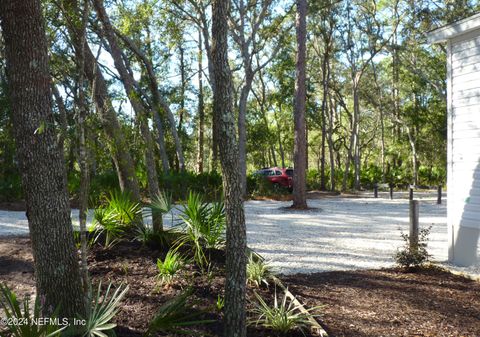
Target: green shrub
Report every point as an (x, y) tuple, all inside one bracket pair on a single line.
[(314, 179), (261, 186), (11, 188), (258, 272), (179, 184), (174, 316), (104, 308), (168, 268), (414, 257), (116, 217), (14, 313), (432, 175), (203, 226), (220, 304), (282, 318), (370, 175)]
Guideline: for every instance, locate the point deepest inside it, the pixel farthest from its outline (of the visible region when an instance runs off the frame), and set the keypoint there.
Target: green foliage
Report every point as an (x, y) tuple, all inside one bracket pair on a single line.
[(180, 184), (203, 225), (143, 234), (23, 323), (89, 236), (11, 188), (161, 204), (105, 307), (371, 175), (283, 317), (313, 179), (259, 186), (220, 304), (100, 182), (174, 316), (118, 215), (168, 268), (258, 272), (414, 257)]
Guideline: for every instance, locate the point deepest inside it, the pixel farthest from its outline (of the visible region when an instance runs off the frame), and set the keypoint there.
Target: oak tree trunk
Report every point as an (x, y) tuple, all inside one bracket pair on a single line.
[(41, 162)]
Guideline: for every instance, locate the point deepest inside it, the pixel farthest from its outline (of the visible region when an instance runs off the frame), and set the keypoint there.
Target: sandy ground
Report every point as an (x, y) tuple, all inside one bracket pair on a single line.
[(337, 234)]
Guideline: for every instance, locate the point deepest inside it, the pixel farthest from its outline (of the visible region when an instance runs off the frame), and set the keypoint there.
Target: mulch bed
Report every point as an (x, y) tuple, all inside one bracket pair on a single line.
[(392, 302), (134, 264), (359, 303)]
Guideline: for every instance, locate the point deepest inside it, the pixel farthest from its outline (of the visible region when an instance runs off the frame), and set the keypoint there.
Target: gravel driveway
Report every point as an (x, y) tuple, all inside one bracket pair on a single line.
[(338, 234)]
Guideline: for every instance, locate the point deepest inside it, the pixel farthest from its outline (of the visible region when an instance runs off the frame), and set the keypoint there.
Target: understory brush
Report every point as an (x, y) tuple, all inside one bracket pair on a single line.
[(175, 316), (169, 266), (258, 272), (21, 323), (282, 317), (416, 256), (117, 216), (203, 226)]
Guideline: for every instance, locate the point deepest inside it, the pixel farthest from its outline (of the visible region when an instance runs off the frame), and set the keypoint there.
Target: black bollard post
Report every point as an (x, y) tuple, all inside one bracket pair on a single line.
[(375, 190), (391, 191), (439, 195)]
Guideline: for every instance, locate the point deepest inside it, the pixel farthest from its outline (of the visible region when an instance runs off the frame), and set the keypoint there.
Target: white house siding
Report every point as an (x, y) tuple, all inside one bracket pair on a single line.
[(464, 148)]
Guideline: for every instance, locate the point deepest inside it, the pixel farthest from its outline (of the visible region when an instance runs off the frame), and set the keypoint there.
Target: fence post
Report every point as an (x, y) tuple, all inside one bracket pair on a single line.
[(375, 190), (414, 215), (391, 191), (410, 195), (439, 195)]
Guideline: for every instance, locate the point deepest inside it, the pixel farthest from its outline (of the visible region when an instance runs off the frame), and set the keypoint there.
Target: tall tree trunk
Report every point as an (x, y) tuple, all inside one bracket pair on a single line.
[(41, 163), (325, 87), (411, 140), (161, 140), (181, 112), (299, 178), (183, 85), (63, 121), (158, 101), (354, 148), (82, 156), (235, 284), (141, 115), (242, 127), (263, 103), (201, 108), (331, 148), (382, 123), (116, 140), (279, 135), (356, 136)]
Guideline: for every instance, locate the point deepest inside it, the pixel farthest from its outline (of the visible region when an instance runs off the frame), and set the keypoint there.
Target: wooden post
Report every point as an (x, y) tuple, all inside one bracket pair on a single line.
[(439, 195), (414, 224), (391, 191), (410, 195), (375, 190)]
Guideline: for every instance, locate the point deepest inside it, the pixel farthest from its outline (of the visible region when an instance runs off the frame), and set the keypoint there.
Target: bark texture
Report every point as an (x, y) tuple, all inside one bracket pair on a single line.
[(300, 149), (235, 284), (201, 108), (40, 161)]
